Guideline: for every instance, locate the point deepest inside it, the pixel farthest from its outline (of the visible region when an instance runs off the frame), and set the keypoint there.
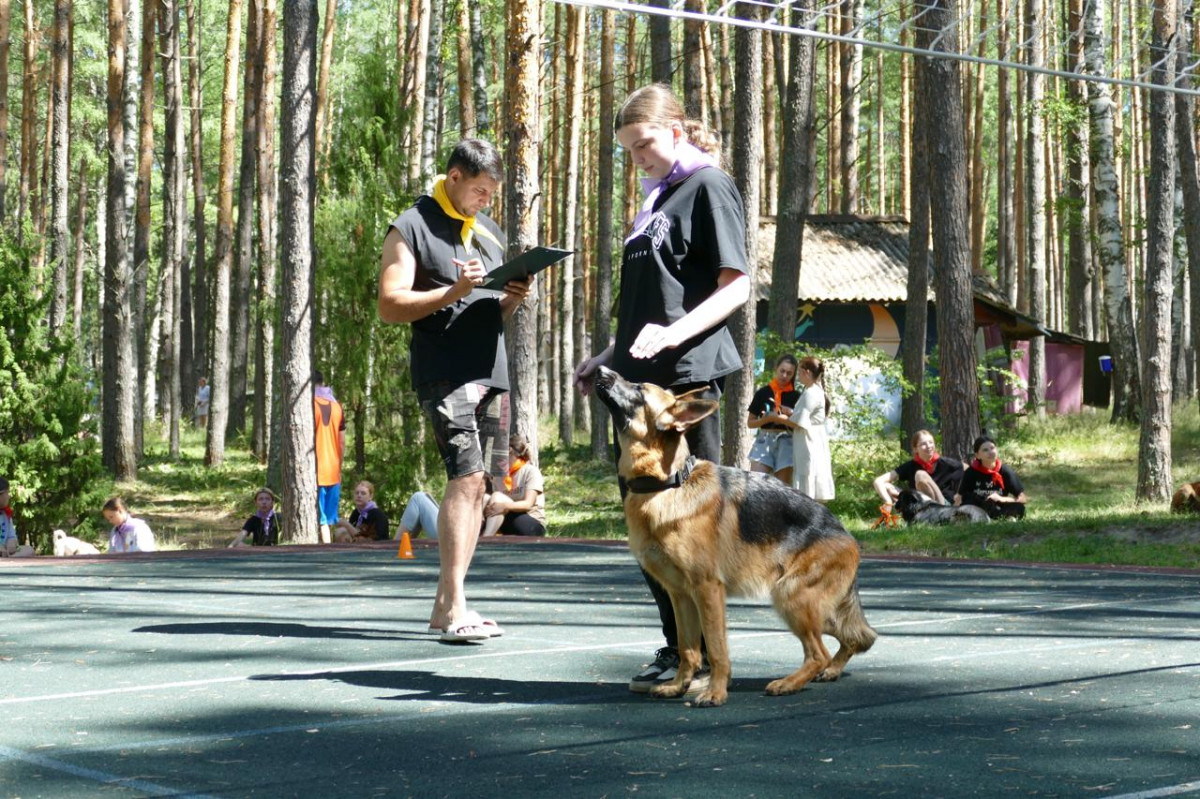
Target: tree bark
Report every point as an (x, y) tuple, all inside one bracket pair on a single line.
[(174, 213), (662, 63), (851, 104), (959, 387), (795, 179), (693, 66), (466, 96), (200, 295), (747, 161), (1081, 273), (1154, 445), (60, 163), (296, 184), (433, 91), (1035, 182), (479, 68), (5, 45), (522, 200), (323, 75), (1006, 229), (239, 312), (28, 162), (119, 380), (81, 199), (1189, 179), (266, 311), (1110, 240), (218, 407), (144, 160), (414, 102), (916, 310), (602, 299), (568, 280)]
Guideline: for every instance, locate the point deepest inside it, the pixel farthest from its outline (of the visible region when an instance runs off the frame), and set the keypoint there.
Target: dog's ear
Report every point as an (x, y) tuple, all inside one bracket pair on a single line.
[(685, 413)]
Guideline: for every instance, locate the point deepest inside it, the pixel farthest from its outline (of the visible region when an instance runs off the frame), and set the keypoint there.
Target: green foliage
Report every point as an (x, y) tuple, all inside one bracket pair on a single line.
[(48, 445), (998, 386)]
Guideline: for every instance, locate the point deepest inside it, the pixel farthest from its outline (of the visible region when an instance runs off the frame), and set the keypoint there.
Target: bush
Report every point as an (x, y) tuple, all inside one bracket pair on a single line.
[(48, 445)]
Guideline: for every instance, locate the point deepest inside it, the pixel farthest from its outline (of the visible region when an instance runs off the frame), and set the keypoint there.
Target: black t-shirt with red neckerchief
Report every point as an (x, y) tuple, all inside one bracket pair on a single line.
[(947, 474), (670, 267), (764, 401), (976, 486)]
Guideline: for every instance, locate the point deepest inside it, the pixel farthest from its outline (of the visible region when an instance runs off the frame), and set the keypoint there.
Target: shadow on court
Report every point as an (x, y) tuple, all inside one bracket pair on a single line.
[(307, 672)]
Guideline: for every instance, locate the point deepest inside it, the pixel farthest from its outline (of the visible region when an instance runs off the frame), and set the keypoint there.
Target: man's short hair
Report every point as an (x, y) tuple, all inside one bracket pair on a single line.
[(476, 156)]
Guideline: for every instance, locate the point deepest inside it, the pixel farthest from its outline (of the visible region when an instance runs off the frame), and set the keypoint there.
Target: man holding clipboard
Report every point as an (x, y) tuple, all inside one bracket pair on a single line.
[(436, 254)]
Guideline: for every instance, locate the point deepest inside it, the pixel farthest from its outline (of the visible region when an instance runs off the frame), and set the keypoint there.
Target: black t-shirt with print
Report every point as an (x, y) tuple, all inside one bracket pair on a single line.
[(764, 400), (263, 535), (947, 474), (463, 342), (698, 228), (977, 486), (375, 525)]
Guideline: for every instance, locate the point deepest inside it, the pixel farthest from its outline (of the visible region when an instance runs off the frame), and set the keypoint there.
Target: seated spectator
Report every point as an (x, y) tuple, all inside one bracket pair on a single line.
[(990, 484), (10, 545), (367, 521), (521, 508), (420, 516), (263, 527), (935, 476), (128, 534)]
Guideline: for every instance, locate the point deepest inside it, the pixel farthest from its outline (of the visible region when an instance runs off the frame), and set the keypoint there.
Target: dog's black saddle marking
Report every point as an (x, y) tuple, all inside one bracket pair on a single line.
[(652, 485)]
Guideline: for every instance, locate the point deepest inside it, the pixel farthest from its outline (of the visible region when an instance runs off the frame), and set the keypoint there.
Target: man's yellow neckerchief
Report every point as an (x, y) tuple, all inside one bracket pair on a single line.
[(469, 227)]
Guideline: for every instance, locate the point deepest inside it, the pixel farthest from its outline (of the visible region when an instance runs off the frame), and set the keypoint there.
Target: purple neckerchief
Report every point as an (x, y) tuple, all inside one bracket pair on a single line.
[(324, 392), (689, 160), (362, 513), (266, 519)]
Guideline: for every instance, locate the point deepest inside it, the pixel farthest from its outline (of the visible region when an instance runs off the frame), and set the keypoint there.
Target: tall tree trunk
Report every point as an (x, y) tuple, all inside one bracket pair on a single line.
[(243, 255), (28, 162), (296, 184), (602, 299), (81, 199), (323, 75), (174, 213), (265, 309), (851, 104), (1154, 445), (1110, 240), (916, 310), (433, 90), (119, 380), (693, 67), (522, 199), (565, 323), (200, 296), (1189, 179), (1006, 229), (60, 162), (662, 61), (479, 68), (1035, 182), (414, 102), (218, 407), (770, 129), (1079, 289), (144, 159), (466, 97), (795, 178), (747, 161), (5, 44), (959, 388)]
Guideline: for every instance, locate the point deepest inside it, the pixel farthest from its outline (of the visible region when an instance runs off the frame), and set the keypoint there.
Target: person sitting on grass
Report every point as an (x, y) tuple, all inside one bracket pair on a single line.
[(990, 484), (10, 546), (935, 476), (263, 526), (521, 508), (129, 534), (367, 521), (420, 516)]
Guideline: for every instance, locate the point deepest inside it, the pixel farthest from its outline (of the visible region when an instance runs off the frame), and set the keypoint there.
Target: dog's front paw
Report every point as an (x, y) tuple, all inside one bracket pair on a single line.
[(829, 675), (709, 698), (669, 690)]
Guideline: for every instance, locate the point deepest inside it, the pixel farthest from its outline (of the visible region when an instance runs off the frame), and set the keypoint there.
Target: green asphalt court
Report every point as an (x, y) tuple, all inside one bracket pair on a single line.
[(308, 672)]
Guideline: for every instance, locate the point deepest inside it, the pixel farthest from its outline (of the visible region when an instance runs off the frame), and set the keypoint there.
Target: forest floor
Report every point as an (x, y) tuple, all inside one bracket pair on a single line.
[(1080, 473)]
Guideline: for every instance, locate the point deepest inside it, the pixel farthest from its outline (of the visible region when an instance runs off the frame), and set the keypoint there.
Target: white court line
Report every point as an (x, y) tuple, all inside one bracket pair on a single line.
[(96, 776), (1170, 790)]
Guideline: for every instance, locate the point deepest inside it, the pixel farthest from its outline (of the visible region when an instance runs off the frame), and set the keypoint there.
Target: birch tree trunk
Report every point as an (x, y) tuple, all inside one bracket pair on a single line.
[(916, 309), (959, 387), (747, 161), (522, 200), (243, 254), (433, 87), (795, 178), (851, 104), (296, 183), (266, 312), (218, 408), (60, 163), (174, 211), (119, 379), (602, 300), (1154, 445), (565, 323), (144, 160), (1035, 182), (1110, 241)]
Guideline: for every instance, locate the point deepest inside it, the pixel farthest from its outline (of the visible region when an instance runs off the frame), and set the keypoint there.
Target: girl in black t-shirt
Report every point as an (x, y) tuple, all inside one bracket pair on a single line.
[(684, 271), (367, 522), (770, 408), (263, 526), (935, 475), (991, 484)]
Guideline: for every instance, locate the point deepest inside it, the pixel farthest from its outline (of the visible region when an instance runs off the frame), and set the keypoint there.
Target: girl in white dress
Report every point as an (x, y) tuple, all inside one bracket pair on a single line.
[(812, 472)]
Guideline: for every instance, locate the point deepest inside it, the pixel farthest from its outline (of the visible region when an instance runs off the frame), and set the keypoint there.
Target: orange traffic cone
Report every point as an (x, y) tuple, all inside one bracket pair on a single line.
[(405, 551)]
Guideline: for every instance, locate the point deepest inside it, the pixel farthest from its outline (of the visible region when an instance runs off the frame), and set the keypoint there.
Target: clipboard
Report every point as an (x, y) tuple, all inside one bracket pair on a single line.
[(527, 263)]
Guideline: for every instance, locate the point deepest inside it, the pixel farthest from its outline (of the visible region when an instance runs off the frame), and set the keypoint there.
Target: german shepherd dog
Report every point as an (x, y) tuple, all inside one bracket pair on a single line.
[(704, 530), (1186, 499), (916, 508)]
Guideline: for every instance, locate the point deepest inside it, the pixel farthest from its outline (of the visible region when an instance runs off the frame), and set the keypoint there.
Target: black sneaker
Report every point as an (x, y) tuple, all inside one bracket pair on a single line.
[(666, 661)]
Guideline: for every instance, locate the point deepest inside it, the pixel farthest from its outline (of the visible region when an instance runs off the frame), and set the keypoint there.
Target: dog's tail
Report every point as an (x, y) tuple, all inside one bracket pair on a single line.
[(850, 622)]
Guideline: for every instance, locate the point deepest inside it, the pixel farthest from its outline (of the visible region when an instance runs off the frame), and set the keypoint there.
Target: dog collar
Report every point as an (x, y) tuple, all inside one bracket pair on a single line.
[(652, 485)]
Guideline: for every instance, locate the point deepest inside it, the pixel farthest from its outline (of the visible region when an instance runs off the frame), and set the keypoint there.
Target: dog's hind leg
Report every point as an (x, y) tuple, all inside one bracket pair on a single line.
[(803, 617), (849, 626)]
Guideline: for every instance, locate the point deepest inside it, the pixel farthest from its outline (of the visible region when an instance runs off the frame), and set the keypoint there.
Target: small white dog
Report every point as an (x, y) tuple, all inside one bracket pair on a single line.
[(66, 546)]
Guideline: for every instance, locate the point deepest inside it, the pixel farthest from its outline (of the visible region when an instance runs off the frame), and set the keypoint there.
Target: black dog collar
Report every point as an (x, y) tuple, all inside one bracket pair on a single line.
[(652, 485)]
